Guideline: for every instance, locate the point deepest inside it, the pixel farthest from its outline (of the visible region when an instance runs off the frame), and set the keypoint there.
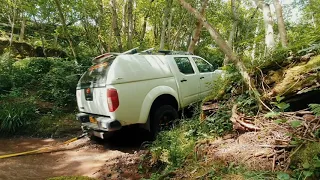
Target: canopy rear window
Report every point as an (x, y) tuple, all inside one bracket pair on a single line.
[(96, 75)]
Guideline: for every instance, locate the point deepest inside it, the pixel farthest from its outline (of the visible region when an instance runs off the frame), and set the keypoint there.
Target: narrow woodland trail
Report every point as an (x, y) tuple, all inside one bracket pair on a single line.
[(111, 159)]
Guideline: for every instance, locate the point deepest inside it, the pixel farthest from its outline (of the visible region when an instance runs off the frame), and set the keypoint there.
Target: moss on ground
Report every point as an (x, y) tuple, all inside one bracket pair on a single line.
[(298, 78)]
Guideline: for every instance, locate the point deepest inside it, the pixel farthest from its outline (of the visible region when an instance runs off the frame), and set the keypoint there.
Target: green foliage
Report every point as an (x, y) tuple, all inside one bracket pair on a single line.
[(282, 106), (219, 123), (283, 176), (15, 116), (172, 147), (315, 109), (247, 104), (296, 123), (37, 85), (5, 71), (58, 85), (306, 161), (229, 84)]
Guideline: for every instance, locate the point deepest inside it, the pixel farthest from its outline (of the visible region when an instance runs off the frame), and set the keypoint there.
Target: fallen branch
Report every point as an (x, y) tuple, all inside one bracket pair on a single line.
[(241, 125)]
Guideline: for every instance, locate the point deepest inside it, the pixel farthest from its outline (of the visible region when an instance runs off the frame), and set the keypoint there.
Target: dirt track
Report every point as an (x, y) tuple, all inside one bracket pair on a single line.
[(108, 159)]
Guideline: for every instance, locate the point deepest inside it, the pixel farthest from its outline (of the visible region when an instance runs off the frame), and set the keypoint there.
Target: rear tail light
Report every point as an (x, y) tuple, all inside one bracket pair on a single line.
[(113, 99)]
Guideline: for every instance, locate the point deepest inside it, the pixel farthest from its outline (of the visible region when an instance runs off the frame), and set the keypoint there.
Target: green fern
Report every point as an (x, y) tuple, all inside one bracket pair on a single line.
[(315, 108)]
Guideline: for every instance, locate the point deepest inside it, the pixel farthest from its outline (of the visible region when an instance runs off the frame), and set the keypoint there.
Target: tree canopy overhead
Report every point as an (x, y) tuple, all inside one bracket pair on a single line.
[(93, 27)]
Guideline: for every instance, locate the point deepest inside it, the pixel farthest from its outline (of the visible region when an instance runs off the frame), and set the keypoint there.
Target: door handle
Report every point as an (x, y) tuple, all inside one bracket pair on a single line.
[(202, 77), (183, 80)]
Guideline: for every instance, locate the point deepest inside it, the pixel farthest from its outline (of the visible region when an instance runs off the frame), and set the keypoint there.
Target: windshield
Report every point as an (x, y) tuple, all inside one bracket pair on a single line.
[(96, 75)]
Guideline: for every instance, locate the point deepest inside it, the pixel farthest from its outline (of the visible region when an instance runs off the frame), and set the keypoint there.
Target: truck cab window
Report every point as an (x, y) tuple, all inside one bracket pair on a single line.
[(202, 65), (184, 65)]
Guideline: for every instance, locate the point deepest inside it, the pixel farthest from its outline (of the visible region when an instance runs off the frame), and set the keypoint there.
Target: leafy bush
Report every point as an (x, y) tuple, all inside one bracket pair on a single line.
[(15, 116), (306, 162), (172, 147), (59, 84), (52, 80), (5, 71), (225, 86)]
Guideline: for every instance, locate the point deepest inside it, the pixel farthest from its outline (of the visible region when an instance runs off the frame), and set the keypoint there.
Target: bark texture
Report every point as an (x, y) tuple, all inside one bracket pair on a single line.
[(130, 23), (234, 27), (22, 29), (281, 25), (113, 5), (165, 23), (196, 34), (268, 23)]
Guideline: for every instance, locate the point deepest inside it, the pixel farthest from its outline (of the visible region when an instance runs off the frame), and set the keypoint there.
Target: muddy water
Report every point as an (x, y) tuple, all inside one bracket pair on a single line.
[(83, 157)]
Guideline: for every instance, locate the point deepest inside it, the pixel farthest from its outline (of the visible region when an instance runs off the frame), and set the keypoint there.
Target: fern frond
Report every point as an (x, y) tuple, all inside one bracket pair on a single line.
[(315, 108)]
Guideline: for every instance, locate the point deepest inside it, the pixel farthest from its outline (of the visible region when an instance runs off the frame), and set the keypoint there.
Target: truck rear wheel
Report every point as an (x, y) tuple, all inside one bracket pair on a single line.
[(162, 118)]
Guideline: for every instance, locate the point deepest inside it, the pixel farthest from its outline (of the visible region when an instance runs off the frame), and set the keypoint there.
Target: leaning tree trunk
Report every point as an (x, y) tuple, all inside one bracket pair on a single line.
[(196, 34), (164, 23), (64, 27), (225, 48), (115, 26), (281, 26)]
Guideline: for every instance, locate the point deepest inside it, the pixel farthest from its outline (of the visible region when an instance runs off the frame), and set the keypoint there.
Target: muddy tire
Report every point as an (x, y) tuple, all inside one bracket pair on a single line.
[(162, 118)]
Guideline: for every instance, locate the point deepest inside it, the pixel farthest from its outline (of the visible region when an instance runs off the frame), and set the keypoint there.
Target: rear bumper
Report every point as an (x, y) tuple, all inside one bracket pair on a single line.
[(103, 124)]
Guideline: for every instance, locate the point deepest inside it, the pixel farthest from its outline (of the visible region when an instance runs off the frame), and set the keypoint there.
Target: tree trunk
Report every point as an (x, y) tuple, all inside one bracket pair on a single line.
[(64, 26), (130, 23), (115, 26), (22, 29), (253, 53), (234, 28), (268, 23), (268, 26), (169, 27), (125, 26), (281, 25), (12, 23), (144, 28), (196, 34), (224, 47), (164, 23)]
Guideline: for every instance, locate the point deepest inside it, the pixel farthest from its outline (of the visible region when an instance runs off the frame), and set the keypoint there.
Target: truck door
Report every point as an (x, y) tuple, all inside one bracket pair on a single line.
[(207, 76), (187, 80)]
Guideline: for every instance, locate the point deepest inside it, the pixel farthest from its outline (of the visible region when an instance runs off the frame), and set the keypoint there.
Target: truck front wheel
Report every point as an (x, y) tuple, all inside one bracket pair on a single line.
[(162, 118)]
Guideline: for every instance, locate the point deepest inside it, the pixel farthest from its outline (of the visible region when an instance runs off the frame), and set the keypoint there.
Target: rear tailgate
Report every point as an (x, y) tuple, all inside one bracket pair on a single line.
[(92, 89), (93, 100)]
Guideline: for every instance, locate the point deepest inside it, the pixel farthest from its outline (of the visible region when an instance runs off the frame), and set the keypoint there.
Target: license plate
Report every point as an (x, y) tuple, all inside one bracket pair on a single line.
[(92, 119)]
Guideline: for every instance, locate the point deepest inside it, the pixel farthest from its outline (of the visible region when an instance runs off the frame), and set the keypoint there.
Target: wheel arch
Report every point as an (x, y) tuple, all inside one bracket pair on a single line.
[(158, 96)]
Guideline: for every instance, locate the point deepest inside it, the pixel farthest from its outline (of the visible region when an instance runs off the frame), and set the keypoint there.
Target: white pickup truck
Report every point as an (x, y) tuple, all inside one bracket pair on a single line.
[(146, 89)]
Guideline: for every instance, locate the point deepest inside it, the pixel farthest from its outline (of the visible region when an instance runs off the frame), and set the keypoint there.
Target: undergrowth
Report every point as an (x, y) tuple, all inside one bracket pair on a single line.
[(35, 93)]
